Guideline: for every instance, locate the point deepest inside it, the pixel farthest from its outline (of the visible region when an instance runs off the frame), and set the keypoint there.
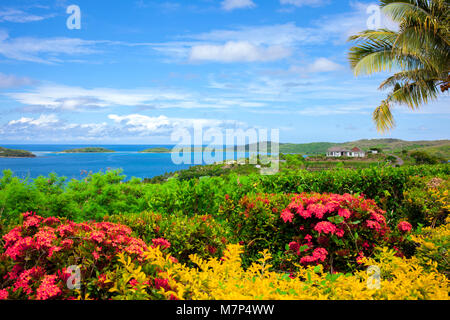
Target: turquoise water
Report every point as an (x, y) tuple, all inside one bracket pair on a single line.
[(126, 157)]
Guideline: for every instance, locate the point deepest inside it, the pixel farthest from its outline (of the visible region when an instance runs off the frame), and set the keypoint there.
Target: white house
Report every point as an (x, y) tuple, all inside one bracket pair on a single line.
[(342, 152)]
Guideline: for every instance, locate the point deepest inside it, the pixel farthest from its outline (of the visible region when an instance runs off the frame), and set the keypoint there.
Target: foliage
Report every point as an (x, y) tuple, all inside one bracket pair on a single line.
[(41, 251), (426, 201), (199, 234), (433, 247), (108, 193), (225, 279), (12, 153), (89, 150), (419, 49), (422, 157)]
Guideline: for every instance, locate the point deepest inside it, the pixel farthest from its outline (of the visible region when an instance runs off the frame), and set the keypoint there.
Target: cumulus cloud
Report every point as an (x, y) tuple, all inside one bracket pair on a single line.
[(142, 124), (229, 5), (242, 51), (42, 121), (51, 128), (317, 66)]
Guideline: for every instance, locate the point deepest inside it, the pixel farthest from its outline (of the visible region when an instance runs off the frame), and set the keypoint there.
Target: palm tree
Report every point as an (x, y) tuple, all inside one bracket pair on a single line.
[(419, 51)]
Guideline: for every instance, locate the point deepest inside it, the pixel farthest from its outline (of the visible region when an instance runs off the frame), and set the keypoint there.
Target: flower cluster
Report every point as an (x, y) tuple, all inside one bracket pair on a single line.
[(40, 248), (332, 223)]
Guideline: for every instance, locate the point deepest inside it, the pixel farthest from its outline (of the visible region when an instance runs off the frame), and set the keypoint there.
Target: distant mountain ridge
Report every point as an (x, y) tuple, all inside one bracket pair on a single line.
[(436, 147)]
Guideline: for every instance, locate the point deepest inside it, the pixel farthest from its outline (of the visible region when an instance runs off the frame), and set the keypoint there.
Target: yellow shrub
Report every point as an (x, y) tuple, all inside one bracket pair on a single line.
[(434, 244), (226, 280)]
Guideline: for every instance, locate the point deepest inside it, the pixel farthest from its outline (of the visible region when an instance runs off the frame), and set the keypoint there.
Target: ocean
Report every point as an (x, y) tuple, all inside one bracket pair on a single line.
[(74, 165)]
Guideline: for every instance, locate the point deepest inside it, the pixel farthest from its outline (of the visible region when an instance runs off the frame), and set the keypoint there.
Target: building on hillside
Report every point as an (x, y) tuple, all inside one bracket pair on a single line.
[(342, 152)]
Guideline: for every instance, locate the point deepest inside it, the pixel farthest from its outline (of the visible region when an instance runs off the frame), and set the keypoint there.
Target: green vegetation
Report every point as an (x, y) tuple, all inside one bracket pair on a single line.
[(103, 194), (420, 50), (88, 150), (156, 150), (437, 147), (11, 153)]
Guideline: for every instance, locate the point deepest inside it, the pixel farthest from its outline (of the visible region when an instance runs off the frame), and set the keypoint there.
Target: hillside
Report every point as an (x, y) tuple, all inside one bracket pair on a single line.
[(436, 147), (11, 153), (88, 150)]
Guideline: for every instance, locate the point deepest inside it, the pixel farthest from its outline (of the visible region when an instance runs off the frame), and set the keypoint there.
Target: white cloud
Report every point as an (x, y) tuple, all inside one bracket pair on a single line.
[(42, 121), (19, 16), (229, 5), (11, 81), (300, 3), (242, 51), (319, 65), (44, 50), (142, 124)]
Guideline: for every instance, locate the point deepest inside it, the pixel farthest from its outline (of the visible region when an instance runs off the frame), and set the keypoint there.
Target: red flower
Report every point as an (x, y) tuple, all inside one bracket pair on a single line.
[(48, 289), (3, 294), (287, 215), (162, 243), (404, 227), (325, 227)]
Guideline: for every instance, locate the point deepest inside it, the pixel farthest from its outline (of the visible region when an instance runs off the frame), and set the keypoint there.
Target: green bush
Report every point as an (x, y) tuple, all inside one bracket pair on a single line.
[(188, 235)]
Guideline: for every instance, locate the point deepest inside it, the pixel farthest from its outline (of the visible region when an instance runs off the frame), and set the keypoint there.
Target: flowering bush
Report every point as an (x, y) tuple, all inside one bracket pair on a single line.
[(433, 247), (40, 251), (225, 279), (311, 228), (199, 234), (426, 200)]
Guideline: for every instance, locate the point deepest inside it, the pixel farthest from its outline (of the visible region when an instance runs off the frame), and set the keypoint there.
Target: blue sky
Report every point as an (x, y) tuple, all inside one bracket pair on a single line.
[(137, 70)]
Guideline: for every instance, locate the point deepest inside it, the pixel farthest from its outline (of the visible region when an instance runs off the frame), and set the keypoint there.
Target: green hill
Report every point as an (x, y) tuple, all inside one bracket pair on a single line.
[(88, 150), (11, 153), (156, 150), (437, 147)]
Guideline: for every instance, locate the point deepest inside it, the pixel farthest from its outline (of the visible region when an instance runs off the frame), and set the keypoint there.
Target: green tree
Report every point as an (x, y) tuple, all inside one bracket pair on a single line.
[(418, 52)]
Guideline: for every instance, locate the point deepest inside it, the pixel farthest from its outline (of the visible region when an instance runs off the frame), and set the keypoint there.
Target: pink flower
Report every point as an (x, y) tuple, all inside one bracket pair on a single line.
[(162, 283), (345, 213), (48, 289), (98, 236), (287, 215), (294, 246), (162, 243), (404, 227), (360, 257), (3, 294), (325, 227), (373, 225), (340, 233)]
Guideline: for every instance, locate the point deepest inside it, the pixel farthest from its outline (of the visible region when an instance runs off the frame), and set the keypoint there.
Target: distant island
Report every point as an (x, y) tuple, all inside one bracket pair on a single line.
[(156, 150), (88, 150), (11, 153)]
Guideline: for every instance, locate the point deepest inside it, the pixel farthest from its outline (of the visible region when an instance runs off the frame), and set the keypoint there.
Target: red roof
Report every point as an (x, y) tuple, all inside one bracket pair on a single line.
[(356, 149)]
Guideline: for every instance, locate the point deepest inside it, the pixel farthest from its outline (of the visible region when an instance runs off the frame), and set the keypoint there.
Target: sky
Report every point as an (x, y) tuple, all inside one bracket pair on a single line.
[(135, 71)]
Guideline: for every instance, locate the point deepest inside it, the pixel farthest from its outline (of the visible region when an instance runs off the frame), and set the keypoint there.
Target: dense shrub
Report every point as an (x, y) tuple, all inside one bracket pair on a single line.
[(200, 234), (434, 246), (334, 230), (226, 279), (107, 193), (39, 252), (426, 200)]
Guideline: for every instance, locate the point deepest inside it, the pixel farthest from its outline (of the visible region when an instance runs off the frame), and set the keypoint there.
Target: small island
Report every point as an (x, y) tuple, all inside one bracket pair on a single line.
[(157, 150), (88, 150), (11, 153)]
